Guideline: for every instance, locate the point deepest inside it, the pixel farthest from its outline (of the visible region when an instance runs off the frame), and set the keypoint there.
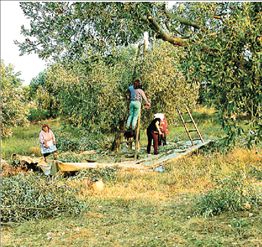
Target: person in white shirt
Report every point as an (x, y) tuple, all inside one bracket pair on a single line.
[(47, 142)]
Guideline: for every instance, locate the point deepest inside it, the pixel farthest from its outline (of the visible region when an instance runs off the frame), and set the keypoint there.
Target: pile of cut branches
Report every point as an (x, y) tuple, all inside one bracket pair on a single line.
[(29, 196)]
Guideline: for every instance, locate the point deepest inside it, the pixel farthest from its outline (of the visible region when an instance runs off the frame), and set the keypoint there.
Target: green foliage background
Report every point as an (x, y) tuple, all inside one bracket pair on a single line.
[(14, 104), (214, 45)]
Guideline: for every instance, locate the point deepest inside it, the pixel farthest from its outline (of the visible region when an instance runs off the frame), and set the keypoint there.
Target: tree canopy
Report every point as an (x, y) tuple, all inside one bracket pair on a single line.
[(220, 43), (66, 29), (13, 100)]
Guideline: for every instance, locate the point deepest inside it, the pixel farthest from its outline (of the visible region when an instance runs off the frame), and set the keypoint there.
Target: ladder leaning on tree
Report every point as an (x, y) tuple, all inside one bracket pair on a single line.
[(193, 127)]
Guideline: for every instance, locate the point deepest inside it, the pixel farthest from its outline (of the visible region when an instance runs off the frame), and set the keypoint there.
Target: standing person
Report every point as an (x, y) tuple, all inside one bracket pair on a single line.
[(153, 133), (47, 142), (136, 94)]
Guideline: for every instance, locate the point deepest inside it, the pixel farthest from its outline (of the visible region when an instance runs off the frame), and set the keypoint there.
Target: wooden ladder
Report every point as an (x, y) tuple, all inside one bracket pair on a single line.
[(192, 128)]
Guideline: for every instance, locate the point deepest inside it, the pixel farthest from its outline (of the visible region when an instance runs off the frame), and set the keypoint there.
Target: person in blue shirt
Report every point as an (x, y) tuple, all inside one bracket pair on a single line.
[(136, 95)]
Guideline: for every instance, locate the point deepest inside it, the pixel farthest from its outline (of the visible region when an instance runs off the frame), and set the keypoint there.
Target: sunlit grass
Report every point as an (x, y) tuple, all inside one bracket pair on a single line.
[(149, 208), (153, 209)]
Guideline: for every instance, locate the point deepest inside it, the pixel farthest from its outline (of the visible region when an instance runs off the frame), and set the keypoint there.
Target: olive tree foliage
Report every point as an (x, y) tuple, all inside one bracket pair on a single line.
[(13, 97), (232, 73), (66, 30), (221, 42), (93, 97), (74, 30), (164, 82), (44, 94)]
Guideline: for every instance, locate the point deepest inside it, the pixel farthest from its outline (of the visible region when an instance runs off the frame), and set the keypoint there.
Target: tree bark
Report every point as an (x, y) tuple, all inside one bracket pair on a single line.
[(118, 137), (177, 41)]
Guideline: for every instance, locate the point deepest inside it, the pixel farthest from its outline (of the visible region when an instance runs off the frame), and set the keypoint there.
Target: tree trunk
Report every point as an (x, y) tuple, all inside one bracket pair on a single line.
[(51, 108), (118, 136)]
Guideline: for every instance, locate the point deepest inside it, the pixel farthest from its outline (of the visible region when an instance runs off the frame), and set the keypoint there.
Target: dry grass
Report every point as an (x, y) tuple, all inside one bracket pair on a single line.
[(190, 175), (206, 110), (244, 156), (151, 209)]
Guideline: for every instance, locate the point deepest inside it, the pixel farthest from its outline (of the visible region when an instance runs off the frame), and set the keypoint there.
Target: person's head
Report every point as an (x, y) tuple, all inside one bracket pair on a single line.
[(159, 115), (45, 128), (137, 84)]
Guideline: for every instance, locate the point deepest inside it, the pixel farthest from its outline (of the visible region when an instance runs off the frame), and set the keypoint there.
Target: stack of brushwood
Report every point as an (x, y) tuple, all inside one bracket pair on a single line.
[(31, 196)]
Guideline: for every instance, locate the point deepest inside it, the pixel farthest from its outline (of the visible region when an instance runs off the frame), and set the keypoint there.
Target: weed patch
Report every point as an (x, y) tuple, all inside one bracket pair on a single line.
[(80, 141), (232, 193), (108, 174)]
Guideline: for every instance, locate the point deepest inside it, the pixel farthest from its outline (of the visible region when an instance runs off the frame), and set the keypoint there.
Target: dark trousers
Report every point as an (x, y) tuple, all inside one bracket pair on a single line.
[(162, 140), (151, 135)]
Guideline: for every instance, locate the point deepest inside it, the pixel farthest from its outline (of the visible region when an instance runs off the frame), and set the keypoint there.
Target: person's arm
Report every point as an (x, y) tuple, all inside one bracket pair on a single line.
[(144, 97), (42, 139), (128, 98), (158, 128), (53, 137), (128, 94)]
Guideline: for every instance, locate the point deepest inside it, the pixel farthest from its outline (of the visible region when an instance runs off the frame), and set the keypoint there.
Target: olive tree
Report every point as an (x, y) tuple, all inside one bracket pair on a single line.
[(44, 94), (13, 97), (164, 81), (221, 42), (232, 73)]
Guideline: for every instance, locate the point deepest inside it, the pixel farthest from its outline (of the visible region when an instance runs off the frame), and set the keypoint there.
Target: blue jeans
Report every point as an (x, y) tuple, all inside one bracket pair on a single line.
[(134, 111)]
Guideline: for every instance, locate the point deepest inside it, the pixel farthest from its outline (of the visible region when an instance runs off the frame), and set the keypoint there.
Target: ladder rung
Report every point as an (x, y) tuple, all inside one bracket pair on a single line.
[(187, 121)]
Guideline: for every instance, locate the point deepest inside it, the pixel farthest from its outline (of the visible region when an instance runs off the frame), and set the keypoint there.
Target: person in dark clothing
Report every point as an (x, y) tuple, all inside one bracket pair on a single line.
[(163, 128), (153, 132)]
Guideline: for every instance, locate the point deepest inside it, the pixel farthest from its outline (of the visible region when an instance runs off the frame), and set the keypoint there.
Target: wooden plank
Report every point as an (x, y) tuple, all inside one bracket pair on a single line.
[(177, 154), (70, 166), (145, 164)]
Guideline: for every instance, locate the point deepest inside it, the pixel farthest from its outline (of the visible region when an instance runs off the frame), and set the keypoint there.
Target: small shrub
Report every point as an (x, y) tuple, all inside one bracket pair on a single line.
[(231, 194), (37, 114), (256, 173), (107, 174), (27, 197), (87, 141), (35, 150)]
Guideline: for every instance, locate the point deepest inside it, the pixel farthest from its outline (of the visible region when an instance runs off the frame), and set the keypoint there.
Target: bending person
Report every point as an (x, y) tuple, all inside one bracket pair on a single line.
[(153, 133), (163, 128)]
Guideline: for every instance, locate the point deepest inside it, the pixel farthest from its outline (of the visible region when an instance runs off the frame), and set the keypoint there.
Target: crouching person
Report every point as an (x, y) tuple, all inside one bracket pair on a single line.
[(153, 133)]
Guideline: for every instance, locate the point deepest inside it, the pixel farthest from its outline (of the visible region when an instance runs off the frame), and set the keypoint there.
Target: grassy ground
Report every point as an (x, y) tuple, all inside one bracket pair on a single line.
[(154, 209), (25, 139)]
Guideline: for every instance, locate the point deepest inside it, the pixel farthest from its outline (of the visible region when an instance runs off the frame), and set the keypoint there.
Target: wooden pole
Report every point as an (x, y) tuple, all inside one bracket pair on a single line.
[(137, 146)]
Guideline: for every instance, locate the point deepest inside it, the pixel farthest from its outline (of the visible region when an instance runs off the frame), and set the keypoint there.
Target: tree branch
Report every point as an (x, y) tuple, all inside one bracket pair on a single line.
[(181, 19), (177, 41)]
